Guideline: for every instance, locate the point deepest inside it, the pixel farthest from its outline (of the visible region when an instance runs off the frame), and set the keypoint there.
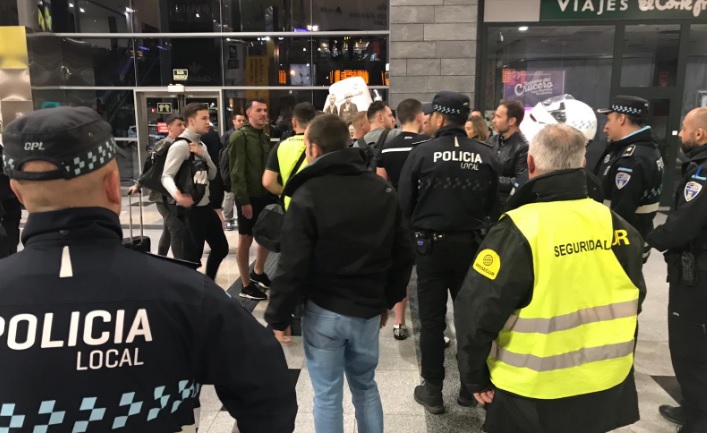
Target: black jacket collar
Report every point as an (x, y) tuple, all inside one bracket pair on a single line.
[(641, 138), (559, 185), (344, 162), (453, 131), (698, 154), (77, 223)]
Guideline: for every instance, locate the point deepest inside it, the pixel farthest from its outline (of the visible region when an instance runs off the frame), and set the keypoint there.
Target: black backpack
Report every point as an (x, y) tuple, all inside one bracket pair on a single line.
[(192, 177), (371, 151)]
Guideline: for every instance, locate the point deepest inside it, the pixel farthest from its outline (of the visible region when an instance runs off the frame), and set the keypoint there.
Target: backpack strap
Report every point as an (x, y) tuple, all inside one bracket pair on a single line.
[(381, 139), (362, 143), (299, 162)]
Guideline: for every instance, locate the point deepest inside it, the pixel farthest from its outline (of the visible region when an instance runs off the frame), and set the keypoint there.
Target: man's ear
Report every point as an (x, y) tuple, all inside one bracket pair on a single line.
[(531, 164), (111, 183), (16, 190)]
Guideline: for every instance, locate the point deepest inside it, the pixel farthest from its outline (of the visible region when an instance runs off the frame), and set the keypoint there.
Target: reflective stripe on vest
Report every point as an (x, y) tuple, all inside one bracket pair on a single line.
[(577, 334), (288, 153)]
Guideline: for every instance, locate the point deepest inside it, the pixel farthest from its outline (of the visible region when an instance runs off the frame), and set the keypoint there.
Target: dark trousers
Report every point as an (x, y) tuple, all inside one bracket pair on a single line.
[(688, 352), (176, 233), (11, 224), (438, 272), (205, 226)]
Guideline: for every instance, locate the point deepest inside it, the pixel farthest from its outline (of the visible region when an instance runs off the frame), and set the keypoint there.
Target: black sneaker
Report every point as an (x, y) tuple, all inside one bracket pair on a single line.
[(252, 292), (430, 397), (260, 279)]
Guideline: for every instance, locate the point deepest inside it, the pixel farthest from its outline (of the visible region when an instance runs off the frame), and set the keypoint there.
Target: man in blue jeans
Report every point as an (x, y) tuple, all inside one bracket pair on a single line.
[(348, 274)]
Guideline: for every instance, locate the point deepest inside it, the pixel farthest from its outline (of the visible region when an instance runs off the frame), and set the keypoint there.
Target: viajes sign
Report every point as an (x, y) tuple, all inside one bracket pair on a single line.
[(572, 10)]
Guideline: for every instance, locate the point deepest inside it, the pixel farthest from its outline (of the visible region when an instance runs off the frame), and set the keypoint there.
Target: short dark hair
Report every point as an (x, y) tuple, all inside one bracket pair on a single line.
[(190, 110), (250, 103), (459, 122), (329, 132), (233, 117), (173, 118), (635, 120), (304, 112), (374, 108), (515, 109), (408, 110)]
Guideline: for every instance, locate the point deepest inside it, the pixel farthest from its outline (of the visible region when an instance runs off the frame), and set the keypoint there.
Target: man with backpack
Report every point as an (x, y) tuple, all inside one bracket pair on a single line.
[(382, 122), (287, 158), (187, 171), (173, 226), (248, 151)]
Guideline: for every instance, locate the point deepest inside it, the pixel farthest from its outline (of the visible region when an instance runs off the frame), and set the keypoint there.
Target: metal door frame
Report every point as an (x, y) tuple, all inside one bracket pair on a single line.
[(141, 95)]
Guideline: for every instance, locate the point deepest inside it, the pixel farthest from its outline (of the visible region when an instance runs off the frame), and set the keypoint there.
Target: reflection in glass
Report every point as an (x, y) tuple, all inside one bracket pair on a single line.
[(696, 76), (650, 56), (158, 57), (99, 16), (177, 16), (81, 62)]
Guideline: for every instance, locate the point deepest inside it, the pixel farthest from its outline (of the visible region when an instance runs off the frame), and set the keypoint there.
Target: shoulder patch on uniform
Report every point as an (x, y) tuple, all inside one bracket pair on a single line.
[(691, 190), (629, 150), (488, 264), (622, 179)]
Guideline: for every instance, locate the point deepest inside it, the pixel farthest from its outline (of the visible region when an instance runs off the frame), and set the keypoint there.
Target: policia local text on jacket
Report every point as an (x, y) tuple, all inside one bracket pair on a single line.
[(547, 314), (129, 339), (330, 253), (683, 237)]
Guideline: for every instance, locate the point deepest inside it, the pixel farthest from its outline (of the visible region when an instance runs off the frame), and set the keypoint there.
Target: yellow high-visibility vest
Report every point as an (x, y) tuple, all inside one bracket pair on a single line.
[(288, 153), (577, 334)]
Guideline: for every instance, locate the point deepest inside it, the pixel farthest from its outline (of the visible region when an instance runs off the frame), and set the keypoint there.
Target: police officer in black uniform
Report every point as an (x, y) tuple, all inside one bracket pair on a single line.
[(448, 189), (95, 337), (683, 238), (631, 167)]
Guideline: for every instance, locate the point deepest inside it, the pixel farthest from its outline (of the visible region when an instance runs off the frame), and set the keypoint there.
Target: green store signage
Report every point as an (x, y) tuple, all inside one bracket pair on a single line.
[(570, 10)]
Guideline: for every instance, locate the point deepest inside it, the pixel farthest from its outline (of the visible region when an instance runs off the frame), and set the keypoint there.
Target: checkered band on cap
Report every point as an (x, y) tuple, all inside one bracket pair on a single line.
[(447, 110), (626, 110)]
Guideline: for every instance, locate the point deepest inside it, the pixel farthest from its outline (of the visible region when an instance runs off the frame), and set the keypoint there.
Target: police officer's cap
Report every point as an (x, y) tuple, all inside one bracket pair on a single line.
[(427, 108), (452, 104), (75, 139), (630, 105)]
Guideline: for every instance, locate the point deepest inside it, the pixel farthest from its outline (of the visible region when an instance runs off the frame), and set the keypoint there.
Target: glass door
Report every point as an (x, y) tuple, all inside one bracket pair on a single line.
[(153, 107)]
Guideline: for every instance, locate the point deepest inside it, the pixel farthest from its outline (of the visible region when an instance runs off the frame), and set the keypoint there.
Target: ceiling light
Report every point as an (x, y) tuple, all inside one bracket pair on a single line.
[(82, 10), (71, 5), (523, 28), (129, 10), (198, 16)]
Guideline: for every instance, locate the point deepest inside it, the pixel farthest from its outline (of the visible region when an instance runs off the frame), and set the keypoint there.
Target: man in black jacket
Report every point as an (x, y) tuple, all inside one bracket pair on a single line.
[(349, 274), (510, 147), (448, 189), (631, 167), (129, 338), (549, 352), (683, 238)]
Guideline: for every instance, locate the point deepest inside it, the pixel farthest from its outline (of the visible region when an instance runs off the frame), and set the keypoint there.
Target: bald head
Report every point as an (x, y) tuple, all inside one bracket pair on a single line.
[(99, 188), (556, 147), (694, 129)]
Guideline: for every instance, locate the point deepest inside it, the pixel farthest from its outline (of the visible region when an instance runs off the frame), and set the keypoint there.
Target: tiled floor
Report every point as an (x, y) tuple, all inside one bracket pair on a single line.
[(398, 371)]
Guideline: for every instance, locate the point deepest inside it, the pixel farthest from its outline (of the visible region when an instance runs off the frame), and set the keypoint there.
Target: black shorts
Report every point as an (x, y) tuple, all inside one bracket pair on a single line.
[(245, 226)]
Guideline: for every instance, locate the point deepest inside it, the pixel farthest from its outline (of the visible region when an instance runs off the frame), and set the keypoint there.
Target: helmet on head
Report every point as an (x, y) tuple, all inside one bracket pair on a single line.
[(560, 109)]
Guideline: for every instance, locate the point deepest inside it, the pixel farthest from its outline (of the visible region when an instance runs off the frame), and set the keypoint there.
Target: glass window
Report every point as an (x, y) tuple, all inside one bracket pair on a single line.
[(81, 62), (695, 93), (99, 16), (650, 56), (304, 61), (541, 62), (116, 106), (176, 16), (156, 58), (266, 16), (335, 15)]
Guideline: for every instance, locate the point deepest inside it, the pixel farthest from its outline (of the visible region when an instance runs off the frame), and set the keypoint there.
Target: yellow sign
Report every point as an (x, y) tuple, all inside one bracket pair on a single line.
[(13, 48), (488, 263), (342, 74)]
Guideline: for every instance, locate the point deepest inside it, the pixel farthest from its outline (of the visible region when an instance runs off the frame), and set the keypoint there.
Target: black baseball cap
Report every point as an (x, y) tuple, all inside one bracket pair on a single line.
[(452, 104), (75, 139), (629, 105)]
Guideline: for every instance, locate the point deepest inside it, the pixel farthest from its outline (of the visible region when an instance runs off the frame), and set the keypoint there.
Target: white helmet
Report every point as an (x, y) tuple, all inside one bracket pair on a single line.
[(560, 109)]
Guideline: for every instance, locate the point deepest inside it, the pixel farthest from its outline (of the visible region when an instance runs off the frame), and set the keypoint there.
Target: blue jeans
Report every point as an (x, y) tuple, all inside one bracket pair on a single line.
[(335, 344)]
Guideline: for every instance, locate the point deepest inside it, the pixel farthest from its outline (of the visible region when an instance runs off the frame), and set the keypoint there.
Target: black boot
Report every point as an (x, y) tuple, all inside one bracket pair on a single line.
[(674, 414), (430, 396)]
